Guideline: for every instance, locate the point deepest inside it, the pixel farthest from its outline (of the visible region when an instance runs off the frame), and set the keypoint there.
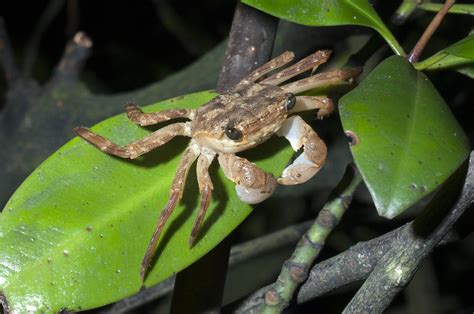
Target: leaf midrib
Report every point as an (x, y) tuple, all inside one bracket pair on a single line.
[(382, 29), (409, 131)]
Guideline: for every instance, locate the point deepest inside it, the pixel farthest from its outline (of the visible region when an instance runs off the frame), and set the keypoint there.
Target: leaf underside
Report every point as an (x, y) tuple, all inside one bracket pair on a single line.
[(328, 13), (74, 234), (408, 140), (459, 57)]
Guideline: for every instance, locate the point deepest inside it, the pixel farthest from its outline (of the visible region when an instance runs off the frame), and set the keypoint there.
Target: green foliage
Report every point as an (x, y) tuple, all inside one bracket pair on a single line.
[(459, 56), (408, 140), (75, 232), (463, 48), (328, 13)]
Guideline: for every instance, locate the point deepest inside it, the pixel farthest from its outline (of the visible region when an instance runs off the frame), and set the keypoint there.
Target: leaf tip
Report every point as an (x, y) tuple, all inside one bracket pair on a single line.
[(391, 209)]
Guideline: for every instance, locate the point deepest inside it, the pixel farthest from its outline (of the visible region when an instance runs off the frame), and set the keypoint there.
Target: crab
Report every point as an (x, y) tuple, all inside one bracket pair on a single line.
[(237, 120)]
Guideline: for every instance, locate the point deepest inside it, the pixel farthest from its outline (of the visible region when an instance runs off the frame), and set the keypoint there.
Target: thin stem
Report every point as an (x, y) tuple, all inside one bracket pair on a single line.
[(358, 262), (295, 270), (6, 55), (73, 59), (456, 9), (423, 41), (354, 264), (337, 271)]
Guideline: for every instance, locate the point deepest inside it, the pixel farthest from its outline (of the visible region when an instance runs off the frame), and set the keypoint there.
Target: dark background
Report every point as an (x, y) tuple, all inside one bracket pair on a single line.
[(129, 36), (138, 43)]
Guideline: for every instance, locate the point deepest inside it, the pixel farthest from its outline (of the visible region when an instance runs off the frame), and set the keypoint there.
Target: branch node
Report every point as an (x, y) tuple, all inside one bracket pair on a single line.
[(295, 270), (82, 40), (305, 240), (75, 54), (272, 298), (298, 272), (327, 219)]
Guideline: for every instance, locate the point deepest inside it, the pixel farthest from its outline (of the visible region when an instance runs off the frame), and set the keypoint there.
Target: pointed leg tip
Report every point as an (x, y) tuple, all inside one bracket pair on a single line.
[(326, 53), (143, 273), (130, 105), (357, 71), (191, 241), (81, 130)]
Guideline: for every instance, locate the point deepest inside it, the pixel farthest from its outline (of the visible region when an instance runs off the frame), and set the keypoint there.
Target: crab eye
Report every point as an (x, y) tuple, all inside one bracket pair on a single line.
[(233, 133), (290, 101)]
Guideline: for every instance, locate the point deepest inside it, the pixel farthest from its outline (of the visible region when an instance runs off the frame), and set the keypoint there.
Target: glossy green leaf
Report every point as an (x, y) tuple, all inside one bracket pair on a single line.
[(459, 57), (328, 13), (463, 48), (75, 232), (407, 141)]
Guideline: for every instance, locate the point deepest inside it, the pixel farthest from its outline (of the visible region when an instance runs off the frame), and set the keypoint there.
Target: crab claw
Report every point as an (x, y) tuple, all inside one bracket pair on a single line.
[(255, 195), (313, 157), (253, 185)]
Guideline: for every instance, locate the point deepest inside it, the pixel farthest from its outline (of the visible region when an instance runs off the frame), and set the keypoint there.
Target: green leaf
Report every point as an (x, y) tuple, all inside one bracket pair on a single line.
[(459, 57), (408, 140), (463, 48), (328, 13), (467, 70), (75, 232)]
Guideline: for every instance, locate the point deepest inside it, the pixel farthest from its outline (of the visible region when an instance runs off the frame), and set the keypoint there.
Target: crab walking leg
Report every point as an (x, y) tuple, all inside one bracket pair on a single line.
[(310, 62), (324, 105), (136, 115), (176, 192), (306, 165), (205, 189), (276, 62), (325, 79), (137, 148), (253, 185)]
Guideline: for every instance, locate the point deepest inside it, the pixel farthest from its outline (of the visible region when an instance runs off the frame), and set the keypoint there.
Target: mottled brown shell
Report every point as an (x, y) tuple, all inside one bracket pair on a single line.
[(257, 111)]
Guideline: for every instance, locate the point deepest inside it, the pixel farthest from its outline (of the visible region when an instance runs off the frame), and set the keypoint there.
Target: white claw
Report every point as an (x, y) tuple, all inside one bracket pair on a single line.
[(293, 130), (301, 170), (252, 195), (300, 134)]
